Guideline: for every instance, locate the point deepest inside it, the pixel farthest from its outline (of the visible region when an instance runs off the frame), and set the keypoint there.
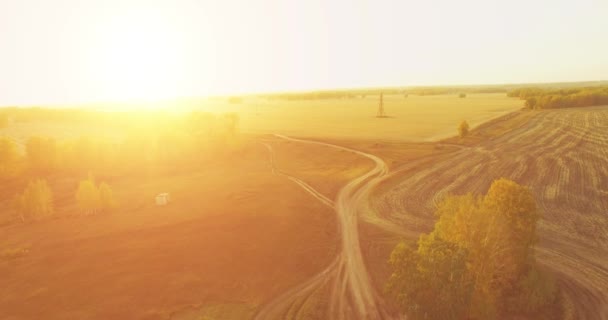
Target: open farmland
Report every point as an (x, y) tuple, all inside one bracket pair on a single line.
[(562, 156), (415, 118), (317, 218), (224, 246)]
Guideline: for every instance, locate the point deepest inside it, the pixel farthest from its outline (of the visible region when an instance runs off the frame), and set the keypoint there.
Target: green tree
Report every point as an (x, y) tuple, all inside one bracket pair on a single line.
[(106, 197), (463, 129), (431, 282), (531, 103), (36, 201), (88, 197), (488, 241)]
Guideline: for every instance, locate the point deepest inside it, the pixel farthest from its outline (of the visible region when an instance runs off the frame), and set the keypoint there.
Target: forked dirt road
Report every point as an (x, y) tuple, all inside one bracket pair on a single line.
[(561, 155), (352, 294)]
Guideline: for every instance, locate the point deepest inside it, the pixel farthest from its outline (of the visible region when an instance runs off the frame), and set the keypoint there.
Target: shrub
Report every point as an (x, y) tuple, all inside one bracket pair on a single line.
[(463, 129), (35, 201)]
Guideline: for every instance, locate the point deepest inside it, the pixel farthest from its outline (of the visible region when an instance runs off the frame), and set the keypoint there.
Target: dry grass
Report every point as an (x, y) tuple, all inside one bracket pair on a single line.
[(235, 236), (327, 173), (415, 118)]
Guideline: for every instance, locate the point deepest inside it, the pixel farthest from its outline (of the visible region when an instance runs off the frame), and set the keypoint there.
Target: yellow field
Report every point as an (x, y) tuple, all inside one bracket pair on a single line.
[(415, 118)]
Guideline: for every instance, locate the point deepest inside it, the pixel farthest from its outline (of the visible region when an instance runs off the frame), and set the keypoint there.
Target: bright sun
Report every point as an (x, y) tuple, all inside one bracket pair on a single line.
[(139, 58)]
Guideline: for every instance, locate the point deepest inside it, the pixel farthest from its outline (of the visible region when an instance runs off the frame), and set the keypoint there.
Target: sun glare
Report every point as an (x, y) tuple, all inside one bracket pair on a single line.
[(139, 58)]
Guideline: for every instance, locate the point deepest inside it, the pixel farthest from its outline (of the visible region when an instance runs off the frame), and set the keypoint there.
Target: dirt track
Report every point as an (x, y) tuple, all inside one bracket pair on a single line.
[(562, 155), (351, 292)]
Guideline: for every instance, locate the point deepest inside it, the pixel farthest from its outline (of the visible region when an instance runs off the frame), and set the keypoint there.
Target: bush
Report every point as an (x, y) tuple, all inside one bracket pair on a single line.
[(463, 129), (35, 201)]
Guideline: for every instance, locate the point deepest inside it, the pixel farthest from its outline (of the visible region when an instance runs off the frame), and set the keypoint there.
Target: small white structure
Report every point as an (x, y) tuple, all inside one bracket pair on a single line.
[(162, 199)]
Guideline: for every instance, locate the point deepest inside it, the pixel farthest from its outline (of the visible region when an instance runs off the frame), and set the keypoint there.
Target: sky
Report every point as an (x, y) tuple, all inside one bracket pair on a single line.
[(75, 51)]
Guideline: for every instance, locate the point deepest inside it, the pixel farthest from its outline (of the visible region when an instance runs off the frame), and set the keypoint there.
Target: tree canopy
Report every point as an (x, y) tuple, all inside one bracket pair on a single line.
[(537, 98), (36, 201), (463, 129), (88, 197), (478, 261)]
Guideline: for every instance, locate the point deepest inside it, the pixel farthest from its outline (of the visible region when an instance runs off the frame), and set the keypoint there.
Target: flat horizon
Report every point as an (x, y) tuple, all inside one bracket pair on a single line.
[(312, 90), (69, 51)]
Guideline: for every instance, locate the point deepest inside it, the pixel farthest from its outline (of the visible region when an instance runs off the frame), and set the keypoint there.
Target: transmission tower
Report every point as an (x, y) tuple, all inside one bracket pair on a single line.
[(381, 113)]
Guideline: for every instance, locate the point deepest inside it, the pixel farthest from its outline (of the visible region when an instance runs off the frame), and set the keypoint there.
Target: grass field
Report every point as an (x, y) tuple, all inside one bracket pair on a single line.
[(415, 118), (238, 232), (235, 235)]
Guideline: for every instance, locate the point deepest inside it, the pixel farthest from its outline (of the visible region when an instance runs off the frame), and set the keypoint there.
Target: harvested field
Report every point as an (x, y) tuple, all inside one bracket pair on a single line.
[(561, 155)]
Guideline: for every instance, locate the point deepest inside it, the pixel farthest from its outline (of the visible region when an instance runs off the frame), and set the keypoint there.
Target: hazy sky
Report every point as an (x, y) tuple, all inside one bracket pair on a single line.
[(65, 51)]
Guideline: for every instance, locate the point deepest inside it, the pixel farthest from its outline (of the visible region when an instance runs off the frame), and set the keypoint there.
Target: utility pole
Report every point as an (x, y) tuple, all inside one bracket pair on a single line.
[(381, 113)]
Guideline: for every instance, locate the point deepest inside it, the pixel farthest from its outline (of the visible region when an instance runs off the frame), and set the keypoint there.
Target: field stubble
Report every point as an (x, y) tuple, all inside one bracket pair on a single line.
[(561, 156)]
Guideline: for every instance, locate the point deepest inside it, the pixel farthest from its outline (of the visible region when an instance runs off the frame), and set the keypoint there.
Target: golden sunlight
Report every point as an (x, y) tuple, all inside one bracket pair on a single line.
[(139, 58), (303, 159)]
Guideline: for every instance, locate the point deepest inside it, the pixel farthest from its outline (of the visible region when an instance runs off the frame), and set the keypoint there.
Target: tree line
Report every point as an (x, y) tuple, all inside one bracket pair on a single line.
[(146, 146), (153, 145), (539, 98), (402, 91), (36, 200), (477, 263)]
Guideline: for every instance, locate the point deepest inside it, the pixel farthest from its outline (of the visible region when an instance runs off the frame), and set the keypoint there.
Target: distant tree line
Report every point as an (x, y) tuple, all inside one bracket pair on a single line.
[(152, 145), (539, 98), (149, 144), (336, 94), (477, 263), (362, 93), (57, 115), (460, 91)]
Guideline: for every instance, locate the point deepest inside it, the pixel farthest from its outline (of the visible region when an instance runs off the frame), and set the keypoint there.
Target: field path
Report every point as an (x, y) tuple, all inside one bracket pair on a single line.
[(319, 196), (352, 295)]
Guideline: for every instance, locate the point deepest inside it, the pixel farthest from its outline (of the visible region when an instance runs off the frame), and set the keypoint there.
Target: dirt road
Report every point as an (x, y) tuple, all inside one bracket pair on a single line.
[(352, 295), (562, 155)]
